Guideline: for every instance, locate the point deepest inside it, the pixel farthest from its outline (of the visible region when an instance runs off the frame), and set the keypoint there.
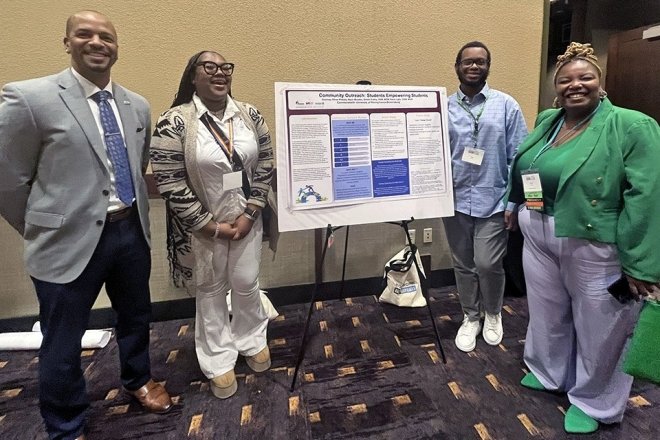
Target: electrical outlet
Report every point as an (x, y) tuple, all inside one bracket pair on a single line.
[(412, 236), (428, 235)]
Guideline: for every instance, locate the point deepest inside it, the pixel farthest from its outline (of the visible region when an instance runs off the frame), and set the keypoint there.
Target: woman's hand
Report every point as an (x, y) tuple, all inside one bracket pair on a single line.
[(642, 288), (243, 226), (511, 220), (225, 231)]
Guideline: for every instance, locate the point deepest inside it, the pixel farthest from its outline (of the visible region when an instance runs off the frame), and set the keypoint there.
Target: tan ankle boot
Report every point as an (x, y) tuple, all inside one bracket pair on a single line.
[(260, 361), (225, 385)]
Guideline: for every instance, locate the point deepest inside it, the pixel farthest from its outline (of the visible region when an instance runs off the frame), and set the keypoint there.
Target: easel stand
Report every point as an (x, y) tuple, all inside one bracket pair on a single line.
[(423, 281), (328, 236), (301, 352)]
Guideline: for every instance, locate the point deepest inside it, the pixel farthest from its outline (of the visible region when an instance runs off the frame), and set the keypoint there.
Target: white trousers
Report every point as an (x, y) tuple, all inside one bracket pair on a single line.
[(577, 331), (221, 265)]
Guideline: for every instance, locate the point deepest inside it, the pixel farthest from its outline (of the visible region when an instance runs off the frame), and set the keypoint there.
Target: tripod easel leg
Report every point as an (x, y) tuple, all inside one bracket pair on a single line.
[(422, 279), (343, 267), (301, 351)]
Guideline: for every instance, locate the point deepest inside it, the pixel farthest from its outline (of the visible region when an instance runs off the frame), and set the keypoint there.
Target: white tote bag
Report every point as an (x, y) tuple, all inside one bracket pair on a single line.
[(403, 288), (265, 303)]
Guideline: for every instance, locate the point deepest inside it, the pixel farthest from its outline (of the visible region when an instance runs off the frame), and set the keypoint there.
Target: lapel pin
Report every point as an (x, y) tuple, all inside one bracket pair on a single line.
[(127, 102)]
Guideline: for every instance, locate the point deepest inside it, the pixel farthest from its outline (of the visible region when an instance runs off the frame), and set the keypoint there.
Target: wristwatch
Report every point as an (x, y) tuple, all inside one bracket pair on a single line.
[(252, 214)]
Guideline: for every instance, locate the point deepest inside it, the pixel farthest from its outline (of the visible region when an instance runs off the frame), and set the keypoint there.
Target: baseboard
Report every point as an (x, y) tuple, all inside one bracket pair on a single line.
[(279, 296)]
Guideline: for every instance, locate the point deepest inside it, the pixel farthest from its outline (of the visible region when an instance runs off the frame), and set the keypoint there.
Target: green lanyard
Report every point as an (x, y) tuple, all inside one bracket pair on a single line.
[(475, 132), (553, 136)]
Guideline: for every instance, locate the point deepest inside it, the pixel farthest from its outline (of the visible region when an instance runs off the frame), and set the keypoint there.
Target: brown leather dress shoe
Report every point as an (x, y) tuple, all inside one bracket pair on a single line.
[(153, 397)]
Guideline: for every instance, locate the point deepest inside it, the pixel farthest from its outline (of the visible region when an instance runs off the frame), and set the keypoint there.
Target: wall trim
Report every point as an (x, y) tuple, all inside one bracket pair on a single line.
[(279, 296)]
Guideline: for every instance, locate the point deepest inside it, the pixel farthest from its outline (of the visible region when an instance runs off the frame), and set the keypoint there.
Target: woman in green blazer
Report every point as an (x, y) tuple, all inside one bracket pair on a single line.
[(586, 180)]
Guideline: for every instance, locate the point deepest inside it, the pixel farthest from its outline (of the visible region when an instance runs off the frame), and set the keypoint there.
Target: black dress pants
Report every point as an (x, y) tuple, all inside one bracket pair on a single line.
[(121, 261)]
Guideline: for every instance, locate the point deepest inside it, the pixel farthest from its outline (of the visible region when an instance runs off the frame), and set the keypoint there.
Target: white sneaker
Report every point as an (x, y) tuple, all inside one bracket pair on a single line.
[(466, 339), (493, 331)]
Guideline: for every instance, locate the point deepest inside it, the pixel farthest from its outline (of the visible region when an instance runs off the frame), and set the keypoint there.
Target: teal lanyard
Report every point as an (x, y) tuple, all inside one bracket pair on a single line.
[(553, 136), (475, 132)]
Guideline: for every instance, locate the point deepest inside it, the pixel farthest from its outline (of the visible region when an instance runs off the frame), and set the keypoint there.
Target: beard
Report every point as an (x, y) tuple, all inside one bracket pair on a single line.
[(477, 80)]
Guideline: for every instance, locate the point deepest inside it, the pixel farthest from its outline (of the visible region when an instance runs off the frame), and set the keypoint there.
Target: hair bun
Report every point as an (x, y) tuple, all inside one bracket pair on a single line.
[(577, 51)]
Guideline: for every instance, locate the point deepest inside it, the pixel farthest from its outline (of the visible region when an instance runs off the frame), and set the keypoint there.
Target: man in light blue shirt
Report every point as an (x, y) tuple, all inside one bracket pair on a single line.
[(485, 128)]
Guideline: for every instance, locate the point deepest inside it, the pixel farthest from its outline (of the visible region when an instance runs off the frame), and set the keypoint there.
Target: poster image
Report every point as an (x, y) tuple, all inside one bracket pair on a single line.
[(361, 154)]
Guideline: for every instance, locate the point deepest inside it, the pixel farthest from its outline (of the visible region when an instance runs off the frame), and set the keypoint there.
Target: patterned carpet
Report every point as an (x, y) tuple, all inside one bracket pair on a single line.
[(371, 371)]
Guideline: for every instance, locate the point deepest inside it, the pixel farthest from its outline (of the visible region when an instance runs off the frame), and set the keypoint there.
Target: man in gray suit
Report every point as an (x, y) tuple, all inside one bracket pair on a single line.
[(73, 151)]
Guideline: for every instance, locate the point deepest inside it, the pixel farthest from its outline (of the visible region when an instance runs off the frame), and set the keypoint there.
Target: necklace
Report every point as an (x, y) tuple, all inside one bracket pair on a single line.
[(567, 135), (553, 141), (571, 131)]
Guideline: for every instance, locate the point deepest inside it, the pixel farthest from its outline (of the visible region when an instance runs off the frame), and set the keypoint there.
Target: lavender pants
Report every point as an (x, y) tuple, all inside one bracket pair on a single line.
[(577, 332)]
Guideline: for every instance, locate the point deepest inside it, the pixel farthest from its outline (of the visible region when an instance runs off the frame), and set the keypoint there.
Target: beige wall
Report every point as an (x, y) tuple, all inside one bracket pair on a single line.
[(335, 41)]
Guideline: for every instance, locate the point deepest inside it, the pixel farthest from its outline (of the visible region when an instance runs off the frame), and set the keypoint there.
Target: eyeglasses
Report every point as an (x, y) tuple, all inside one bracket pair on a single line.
[(211, 68), (468, 62)]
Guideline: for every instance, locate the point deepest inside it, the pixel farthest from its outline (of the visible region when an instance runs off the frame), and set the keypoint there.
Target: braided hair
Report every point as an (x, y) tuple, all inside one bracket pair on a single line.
[(577, 51)]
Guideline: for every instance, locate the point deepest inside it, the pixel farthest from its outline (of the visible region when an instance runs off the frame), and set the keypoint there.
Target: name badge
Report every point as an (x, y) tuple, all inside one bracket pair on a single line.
[(473, 155), (531, 181), (232, 180)]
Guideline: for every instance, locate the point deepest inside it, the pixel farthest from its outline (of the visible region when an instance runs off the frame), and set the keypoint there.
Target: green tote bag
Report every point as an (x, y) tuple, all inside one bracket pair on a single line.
[(643, 358)]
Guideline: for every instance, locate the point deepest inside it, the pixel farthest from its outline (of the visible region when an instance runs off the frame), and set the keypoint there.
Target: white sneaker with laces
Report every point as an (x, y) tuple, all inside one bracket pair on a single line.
[(493, 331), (466, 339)]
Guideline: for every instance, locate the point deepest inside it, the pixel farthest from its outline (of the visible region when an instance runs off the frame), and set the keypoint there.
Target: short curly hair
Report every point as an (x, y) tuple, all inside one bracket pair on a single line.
[(478, 44)]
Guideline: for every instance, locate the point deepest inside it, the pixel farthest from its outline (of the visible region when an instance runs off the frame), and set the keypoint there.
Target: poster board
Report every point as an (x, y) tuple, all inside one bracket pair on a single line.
[(355, 154)]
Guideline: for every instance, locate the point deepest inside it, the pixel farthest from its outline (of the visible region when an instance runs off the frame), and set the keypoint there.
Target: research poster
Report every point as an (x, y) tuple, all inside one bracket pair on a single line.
[(353, 154)]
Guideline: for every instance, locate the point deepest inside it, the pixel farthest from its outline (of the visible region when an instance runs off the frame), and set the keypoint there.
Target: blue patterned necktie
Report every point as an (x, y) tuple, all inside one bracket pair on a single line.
[(114, 143)]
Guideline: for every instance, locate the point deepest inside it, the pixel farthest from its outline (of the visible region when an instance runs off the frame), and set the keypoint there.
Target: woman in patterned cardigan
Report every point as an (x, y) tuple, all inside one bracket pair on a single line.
[(213, 162)]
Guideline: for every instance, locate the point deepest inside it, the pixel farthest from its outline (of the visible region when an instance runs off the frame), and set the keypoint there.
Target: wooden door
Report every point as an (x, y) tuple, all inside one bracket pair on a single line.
[(633, 72)]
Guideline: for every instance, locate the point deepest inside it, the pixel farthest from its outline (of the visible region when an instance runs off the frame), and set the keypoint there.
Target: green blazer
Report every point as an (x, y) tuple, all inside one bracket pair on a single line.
[(610, 191)]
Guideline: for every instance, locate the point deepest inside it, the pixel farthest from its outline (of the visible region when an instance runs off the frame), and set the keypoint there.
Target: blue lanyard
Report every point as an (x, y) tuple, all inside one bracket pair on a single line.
[(553, 136)]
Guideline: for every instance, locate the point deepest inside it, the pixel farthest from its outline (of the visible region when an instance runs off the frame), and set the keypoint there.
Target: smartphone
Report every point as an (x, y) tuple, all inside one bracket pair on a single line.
[(621, 290)]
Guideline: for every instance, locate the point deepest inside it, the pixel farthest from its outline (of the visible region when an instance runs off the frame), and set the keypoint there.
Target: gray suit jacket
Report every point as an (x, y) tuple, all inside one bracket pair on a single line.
[(54, 177)]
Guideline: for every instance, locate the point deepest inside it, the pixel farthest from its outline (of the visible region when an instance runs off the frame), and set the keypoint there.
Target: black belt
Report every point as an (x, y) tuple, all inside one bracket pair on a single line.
[(115, 216)]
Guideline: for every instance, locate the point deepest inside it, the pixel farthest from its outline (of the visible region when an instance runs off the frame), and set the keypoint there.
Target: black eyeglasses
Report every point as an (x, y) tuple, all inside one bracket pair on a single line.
[(468, 62), (211, 68)]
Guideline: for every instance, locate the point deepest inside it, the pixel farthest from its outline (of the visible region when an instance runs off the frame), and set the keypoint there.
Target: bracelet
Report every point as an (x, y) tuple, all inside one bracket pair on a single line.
[(217, 230), (251, 214)]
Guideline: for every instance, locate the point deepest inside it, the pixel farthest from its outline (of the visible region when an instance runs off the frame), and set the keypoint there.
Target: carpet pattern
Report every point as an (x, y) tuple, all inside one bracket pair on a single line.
[(371, 371)]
